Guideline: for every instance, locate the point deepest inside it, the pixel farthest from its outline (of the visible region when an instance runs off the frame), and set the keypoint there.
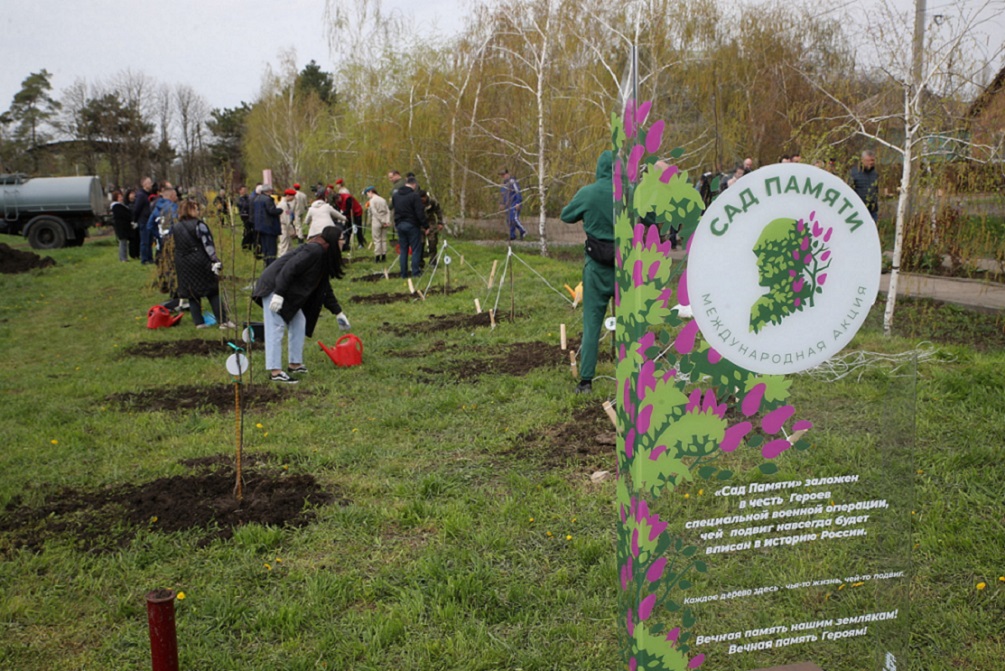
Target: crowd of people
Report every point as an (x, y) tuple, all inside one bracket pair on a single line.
[(862, 177), (300, 241)]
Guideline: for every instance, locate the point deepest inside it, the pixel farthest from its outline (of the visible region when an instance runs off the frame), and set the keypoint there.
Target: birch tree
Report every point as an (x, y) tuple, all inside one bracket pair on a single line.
[(939, 64)]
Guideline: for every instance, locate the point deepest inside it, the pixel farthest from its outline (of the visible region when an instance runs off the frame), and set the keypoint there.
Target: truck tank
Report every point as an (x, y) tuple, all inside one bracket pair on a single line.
[(50, 211)]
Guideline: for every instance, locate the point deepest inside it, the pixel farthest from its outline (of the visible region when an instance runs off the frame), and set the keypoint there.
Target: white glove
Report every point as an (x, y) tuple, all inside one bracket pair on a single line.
[(216, 268), (343, 321), (276, 304), (135, 225)]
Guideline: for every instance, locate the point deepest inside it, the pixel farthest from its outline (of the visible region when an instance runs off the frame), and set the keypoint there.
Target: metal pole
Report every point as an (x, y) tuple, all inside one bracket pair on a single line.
[(163, 639)]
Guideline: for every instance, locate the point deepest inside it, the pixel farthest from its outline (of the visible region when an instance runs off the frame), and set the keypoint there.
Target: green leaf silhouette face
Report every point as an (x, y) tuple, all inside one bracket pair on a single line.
[(792, 259)]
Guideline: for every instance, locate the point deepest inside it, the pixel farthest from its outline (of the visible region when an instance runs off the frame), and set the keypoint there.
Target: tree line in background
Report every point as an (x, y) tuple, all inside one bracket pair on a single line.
[(528, 85)]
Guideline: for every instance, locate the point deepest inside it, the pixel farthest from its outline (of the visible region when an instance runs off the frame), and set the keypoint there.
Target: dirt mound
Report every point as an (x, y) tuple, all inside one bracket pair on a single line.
[(192, 397), (373, 277), (515, 359), (15, 261), (382, 299), (437, 323), (157, 350), (589, 440), (107, 519)]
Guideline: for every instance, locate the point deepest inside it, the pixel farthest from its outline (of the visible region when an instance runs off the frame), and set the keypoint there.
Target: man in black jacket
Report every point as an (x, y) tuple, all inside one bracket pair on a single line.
[(410, 222), (244, 211), (141, 212), (865, 180), (265, 213)]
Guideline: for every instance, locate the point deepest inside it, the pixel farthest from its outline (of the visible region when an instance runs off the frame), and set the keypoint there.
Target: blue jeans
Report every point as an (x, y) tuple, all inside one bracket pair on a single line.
[(147, 237), (274, 327), (409, 237)]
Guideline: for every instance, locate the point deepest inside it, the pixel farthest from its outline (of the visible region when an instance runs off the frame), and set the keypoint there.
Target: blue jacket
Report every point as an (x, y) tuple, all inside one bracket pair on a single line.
[(162, 206), (265, 215)]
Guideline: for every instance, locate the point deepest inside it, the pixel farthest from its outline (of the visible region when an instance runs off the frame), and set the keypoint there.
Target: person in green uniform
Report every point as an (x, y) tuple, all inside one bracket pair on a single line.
[(594, 206)]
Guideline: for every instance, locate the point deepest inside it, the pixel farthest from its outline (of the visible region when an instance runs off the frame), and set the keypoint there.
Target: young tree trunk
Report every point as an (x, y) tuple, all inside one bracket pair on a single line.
[(902, 212), (542, 184)]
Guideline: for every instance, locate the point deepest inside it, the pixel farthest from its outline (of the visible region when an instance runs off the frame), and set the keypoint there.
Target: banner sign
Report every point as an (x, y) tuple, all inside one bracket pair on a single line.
[(748, 538), (784, 268)]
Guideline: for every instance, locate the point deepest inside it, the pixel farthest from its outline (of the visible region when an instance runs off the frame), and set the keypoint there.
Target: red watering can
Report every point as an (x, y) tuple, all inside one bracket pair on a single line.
[(160, 317), (347, 351)]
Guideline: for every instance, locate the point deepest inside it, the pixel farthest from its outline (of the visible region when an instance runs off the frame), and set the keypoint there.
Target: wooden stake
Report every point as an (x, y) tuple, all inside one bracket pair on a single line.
[(386, 277), (446, 283), (478, 307), (421, 295), (492, 318), (492, 274), (612, 413), (572, 363), (561, 336), (462, 259), (411, 287)]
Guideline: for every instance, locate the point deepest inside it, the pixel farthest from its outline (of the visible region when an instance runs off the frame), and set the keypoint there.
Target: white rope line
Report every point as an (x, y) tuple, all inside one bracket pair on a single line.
[(859, 362), (564, 297), (502, 280), (436, 266), (484, 279)]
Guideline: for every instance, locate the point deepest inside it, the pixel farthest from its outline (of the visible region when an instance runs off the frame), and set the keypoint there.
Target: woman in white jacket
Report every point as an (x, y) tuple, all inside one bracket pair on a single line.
[(320, 215)]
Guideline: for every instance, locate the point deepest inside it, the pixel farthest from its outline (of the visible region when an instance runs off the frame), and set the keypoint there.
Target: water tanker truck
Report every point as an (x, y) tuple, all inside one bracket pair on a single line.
[(51, 212)]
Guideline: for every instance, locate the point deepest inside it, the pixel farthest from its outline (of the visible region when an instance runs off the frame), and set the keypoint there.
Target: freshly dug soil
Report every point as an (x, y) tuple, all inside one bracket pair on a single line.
[(173, 348), (192, 397), (382, 299), (14, 261), (587, 440), (373, 277), (437, 323), (106, 519), (515, 359)]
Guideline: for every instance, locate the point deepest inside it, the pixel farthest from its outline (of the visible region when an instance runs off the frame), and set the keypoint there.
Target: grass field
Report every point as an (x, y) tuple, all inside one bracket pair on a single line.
[(459, 531)]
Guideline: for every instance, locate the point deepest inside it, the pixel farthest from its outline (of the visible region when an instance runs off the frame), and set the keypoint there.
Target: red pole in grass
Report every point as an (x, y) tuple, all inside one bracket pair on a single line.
[(163, 640)]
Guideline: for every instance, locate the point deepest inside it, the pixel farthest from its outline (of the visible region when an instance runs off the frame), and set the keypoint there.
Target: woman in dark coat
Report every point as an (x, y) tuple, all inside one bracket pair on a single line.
[(122, 222), (196, 265), (292, 291)]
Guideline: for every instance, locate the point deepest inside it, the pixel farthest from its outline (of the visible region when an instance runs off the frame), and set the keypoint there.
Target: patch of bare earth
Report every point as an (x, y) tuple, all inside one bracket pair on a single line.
[(105, 519), (195, 397)]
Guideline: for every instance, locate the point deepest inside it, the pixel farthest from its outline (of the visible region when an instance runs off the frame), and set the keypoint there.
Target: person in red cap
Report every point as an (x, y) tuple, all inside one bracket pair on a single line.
[(353, 212), (287, 222)]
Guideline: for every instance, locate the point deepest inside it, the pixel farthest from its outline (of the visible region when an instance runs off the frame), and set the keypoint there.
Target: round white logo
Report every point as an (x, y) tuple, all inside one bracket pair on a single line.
[(783, 268)]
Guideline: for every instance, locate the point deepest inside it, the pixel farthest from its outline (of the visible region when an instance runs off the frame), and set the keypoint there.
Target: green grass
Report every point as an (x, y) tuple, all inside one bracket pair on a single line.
[(434, 562)]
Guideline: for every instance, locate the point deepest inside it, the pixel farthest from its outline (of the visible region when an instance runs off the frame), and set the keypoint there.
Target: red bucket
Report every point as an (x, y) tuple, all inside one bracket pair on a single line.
[(347, 351)]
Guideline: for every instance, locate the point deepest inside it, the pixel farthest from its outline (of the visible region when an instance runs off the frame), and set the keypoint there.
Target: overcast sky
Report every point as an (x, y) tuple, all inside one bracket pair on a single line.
[(219, 47)]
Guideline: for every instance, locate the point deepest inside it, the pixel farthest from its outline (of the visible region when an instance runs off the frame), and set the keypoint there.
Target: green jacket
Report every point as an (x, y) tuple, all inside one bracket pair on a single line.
[(594, 203)]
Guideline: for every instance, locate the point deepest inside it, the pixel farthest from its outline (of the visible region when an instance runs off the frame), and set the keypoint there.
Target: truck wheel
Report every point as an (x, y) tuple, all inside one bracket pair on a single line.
[(46, 233)]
